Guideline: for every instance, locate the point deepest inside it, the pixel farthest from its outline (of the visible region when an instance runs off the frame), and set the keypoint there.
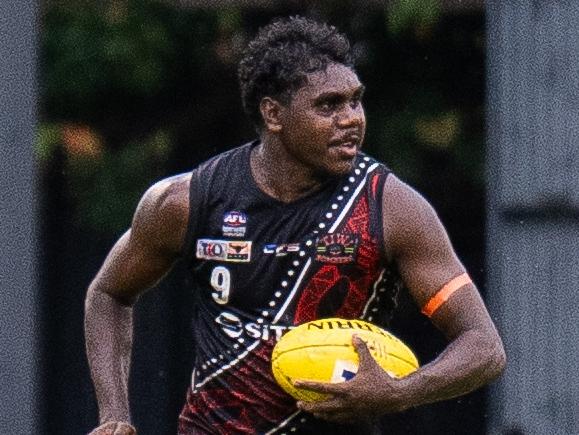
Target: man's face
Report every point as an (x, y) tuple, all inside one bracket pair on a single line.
[(323, 126)]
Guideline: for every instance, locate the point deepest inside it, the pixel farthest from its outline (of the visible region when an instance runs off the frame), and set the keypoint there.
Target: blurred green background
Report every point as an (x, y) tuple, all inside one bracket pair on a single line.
[(136, 90)]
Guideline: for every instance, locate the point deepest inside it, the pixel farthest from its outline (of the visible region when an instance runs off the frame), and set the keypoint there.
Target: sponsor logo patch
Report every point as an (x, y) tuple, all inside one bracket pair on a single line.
[(211, 249), (234, 224), (238, 251), (223, 250), (281, 249), (337, 248), (235, 328)]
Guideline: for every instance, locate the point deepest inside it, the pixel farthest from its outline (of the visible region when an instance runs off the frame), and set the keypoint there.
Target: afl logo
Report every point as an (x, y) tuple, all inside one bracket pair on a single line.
[(234, 219), (234, 224)]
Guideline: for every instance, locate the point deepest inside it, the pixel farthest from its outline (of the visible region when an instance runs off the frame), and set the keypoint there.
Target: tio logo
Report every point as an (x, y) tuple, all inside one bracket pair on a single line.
[(212, 249)]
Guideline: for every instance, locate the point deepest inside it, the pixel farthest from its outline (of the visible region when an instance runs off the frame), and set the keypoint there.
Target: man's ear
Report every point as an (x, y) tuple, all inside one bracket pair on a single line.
[(271, 113)]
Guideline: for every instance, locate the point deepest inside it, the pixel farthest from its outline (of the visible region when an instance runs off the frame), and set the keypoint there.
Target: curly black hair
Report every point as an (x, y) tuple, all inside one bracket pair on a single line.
[(277, 60)]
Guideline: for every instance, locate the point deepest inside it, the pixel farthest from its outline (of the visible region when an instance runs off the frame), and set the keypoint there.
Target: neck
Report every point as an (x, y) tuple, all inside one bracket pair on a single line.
[(280, 175)]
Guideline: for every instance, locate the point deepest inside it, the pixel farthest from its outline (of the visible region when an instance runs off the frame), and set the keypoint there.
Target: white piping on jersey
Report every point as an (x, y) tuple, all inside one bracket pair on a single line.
[(352, 199), (274, 321), (254, 344), (374, 293), (338, 221), (290, 297), (283, 423), (227, 366), (293, 292)]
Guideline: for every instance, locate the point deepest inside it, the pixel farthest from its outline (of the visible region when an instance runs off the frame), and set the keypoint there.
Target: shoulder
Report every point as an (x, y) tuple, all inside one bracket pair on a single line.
[(408, 218), (401, 199), (163, 212), (168, 197)]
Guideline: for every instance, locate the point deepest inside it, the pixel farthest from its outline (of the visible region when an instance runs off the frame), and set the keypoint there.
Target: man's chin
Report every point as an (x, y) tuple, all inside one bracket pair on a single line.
[(341, 168)]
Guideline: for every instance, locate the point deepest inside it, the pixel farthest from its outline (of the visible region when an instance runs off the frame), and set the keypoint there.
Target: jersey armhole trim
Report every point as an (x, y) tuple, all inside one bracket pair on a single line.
[(194, 208), (378, 193)]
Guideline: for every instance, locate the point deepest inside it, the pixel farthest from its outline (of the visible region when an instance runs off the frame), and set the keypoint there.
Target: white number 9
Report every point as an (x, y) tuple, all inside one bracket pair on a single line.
[(221, 282)]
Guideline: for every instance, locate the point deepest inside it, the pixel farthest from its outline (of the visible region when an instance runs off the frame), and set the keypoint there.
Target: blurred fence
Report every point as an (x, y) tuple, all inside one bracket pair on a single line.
[(19, 324), (533, 213)]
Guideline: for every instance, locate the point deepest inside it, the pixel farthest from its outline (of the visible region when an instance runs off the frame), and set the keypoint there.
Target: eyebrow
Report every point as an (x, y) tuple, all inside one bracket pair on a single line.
[(358, 92)]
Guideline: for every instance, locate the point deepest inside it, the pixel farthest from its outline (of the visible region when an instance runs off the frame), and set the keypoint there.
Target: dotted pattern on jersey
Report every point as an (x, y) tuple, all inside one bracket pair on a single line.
[(233, 389), (343, 282)]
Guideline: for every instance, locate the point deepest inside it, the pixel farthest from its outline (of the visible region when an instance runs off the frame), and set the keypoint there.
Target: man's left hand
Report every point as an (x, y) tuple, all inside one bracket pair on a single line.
[(371, 393)]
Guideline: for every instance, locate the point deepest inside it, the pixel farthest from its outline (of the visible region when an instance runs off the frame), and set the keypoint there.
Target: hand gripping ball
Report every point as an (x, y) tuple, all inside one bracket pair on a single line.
[(322, 351)]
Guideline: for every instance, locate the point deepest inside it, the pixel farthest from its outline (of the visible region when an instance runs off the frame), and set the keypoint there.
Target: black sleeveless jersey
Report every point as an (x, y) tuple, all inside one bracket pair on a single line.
[(259, 267)]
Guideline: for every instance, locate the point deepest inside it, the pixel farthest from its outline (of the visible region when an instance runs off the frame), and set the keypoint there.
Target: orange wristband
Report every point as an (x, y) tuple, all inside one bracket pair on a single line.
[(444, 293)]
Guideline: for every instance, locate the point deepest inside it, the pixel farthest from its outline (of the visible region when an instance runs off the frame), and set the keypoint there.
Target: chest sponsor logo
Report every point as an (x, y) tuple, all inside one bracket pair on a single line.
[(282, 249), (234, 327), (224, 250), (239, 251), (234, 224), (337, 248), (211, 249)]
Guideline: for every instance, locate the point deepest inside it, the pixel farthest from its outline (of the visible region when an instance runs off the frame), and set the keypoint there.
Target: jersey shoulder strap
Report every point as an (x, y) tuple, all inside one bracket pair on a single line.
[(211, 176)]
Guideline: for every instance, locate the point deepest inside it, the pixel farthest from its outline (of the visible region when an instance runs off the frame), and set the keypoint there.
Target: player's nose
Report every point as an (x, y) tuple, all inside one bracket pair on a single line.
[(351, 115)]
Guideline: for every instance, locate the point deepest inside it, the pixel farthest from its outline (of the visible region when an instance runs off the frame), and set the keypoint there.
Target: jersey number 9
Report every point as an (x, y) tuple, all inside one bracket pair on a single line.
[(221, 282)]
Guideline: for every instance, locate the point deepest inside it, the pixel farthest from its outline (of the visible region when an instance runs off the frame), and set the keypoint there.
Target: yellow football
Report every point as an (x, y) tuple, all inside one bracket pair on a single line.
[(322, 351)]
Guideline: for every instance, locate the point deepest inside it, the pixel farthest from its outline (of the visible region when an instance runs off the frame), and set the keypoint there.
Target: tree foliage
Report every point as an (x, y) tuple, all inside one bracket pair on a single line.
[(133, 71)]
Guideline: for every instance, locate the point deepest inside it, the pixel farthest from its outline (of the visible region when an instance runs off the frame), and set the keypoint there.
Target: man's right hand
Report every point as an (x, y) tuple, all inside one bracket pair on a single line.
[(114, 428)]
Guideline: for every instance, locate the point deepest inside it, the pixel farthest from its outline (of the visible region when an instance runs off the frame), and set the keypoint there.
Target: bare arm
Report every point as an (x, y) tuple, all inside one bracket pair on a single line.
[(417, 242), (426, 260), (139, 259)]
